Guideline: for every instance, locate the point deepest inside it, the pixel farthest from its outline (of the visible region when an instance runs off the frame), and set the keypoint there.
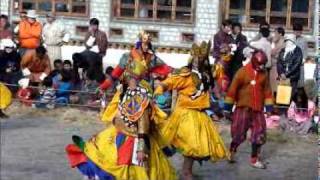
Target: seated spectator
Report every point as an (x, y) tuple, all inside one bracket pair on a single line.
[(63, 87), (67, 65), (47, 95), (35, 64), (25, 94), (300, 114), (5, 30), (9, 64), (57, 67), (88, 92)]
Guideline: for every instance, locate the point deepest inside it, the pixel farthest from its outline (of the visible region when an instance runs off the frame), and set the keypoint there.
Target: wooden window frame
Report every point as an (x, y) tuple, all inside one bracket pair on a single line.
[(155, 7), (53, 10), (268, 14)]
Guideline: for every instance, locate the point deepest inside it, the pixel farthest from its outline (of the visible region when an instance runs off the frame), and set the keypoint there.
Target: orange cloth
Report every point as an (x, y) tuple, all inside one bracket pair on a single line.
[(29, 34), (35, 65)]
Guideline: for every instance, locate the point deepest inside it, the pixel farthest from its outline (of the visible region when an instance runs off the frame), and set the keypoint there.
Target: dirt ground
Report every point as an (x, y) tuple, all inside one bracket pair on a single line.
[(33, 142)]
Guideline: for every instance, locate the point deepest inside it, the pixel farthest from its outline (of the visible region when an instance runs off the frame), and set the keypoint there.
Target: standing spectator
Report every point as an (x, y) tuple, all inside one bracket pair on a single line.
[(264, 44), (29, 32), (221, 38), (309, 78), (300, 40), (277, 45), (241, 42), (289, 63), (9, 63), (96, 39), (36, 64), (23, 17), (263, 25), (54, 35), (5, 30)]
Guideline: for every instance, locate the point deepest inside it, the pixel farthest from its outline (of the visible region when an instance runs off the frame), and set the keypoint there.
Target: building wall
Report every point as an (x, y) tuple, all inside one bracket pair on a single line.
[(206, 24)]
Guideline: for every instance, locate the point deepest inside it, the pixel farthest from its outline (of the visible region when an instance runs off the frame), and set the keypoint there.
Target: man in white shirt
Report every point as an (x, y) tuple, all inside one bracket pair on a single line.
[(264, 44), (54, 35), (301, 42)]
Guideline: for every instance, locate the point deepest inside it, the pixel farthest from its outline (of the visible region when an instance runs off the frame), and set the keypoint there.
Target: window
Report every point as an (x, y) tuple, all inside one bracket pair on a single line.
[(77, 8), (155, 10), (276, 12)]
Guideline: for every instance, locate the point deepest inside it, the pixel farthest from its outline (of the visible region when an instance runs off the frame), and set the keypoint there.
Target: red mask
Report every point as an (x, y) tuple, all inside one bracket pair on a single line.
[(259, 60)]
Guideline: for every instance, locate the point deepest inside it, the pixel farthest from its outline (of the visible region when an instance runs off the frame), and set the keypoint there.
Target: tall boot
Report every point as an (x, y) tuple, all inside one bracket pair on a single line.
[(187, 168)]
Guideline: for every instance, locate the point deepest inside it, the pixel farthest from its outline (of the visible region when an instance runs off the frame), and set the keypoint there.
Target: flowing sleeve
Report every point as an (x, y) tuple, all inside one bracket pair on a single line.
[(231, 94), (171, 83), (159, 67)]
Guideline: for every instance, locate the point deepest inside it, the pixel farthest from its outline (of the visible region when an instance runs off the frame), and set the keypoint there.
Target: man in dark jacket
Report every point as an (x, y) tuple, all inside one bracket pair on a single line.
[(9, 63), (240, 42), (289, 63), (221, 39)]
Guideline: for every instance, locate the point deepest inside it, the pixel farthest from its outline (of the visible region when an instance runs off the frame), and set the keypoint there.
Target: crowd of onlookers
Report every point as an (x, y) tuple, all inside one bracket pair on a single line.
[(30, 56)]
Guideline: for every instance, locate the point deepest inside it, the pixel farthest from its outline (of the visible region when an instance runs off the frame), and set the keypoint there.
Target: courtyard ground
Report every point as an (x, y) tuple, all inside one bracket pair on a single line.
[(33, 142)]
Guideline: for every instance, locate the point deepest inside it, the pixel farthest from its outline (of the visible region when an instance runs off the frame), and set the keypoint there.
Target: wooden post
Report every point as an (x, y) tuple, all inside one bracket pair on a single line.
[(289, 7), (155, 9), (268, 11), (173, 11), (247, 13), (136, 9)]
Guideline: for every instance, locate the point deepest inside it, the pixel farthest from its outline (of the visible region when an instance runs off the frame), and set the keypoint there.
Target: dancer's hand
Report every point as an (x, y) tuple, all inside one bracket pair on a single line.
[(141, 156)]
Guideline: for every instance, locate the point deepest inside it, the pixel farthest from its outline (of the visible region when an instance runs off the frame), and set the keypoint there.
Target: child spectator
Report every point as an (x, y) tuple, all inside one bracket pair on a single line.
[(47, 95), (75, 80), (57, 67), (63, 87), (300, 114)]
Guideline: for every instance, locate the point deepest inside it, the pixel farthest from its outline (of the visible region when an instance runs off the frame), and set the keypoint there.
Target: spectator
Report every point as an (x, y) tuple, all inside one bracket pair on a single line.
[(29, 32), (47, 95), (300, 40), (221, 38), (309, 76), (263, 25), (36, 64), (54, 35), (96, 39), (63, 87), (9, 63), (67, 65), (264, 44), (241, 42), (300, 114), (5, 30), (57, 67), (289, 63), (277, 45)]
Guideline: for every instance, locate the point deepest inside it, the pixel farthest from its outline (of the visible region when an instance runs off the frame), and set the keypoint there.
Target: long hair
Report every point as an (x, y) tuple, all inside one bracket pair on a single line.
[(301, 99), (205, 71)]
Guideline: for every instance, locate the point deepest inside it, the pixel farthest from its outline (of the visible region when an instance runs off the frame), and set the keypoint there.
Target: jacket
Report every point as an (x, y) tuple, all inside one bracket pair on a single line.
[(290, 65), (9, 61), (29, 34), (250, 89), (101, 41)]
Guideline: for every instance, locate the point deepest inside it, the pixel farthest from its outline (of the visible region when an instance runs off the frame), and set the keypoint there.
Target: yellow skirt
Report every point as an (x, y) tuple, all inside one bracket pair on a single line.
[(103, 152), (5, 96), (194, 134)]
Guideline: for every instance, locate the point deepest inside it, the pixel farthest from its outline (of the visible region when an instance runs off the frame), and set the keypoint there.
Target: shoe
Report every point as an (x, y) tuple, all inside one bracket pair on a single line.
[(3, 115), (232, 159), (259, 165)]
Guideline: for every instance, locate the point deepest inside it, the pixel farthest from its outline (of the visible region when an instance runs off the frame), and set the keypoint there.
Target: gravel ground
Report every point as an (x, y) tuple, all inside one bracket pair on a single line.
[(32, 148)]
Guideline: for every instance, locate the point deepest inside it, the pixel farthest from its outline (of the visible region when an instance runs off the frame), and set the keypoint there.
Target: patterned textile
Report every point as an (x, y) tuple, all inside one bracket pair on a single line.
[(244, 119)]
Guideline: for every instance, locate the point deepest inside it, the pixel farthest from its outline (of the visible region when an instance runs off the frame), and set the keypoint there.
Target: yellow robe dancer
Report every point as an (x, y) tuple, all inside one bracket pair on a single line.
[(5, 99), (189, 128), (130, 147)]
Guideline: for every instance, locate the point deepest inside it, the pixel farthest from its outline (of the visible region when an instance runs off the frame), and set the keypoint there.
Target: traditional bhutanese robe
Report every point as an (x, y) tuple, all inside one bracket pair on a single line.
[(53, 35)]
